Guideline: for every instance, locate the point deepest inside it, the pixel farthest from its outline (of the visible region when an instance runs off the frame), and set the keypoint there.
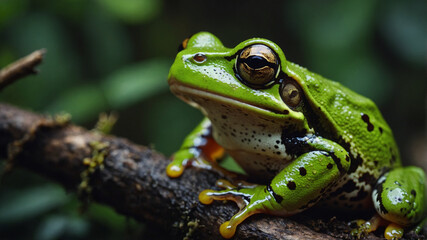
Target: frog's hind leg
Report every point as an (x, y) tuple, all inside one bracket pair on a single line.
[(400, 198)]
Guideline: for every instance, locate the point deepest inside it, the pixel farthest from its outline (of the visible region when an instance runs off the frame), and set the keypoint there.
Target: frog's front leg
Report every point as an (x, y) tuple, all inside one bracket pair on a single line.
[(198, 149), (297, 187)]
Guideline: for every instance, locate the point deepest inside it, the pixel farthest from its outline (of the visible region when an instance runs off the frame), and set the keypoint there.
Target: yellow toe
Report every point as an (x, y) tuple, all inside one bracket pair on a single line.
[(227, 231), (393, 231), (174, 171), (205, 197)]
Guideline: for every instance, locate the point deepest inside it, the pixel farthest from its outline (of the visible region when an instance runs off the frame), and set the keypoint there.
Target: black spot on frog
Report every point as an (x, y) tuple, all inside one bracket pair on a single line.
[(365, 118)]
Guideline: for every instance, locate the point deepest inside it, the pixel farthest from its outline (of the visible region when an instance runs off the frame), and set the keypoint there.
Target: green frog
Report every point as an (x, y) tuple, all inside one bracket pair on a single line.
[(303, 139)]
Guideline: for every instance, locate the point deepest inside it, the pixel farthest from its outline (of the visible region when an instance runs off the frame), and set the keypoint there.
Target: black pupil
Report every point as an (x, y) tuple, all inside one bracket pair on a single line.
[(293, 94), (256, 62)]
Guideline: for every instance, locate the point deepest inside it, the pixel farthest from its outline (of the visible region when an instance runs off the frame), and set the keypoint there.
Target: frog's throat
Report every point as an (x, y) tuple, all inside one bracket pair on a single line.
[(183, 91)]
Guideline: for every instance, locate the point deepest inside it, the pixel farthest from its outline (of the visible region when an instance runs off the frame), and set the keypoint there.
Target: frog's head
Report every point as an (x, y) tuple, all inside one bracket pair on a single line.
[(248, 79)]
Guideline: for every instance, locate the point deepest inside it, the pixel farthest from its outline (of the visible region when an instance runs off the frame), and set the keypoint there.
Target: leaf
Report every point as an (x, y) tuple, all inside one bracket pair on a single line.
[(332, 26), (108, 45), (405, 28), (167, 110), (10, 9), (30, 203), (133, 11), (137, 82), (124, 87), (82, 102), (60, 226), (109, 218), (230, 164)]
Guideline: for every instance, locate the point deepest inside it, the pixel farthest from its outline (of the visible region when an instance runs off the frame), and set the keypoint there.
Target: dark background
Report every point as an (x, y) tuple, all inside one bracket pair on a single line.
[(109, 55)]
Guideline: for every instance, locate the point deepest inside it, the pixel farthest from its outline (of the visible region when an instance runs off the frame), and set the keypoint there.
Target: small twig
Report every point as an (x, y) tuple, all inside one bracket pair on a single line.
[(21, 68)]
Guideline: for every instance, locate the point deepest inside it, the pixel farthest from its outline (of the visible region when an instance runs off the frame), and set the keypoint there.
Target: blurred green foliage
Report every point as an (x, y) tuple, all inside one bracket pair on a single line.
[(109, 55)]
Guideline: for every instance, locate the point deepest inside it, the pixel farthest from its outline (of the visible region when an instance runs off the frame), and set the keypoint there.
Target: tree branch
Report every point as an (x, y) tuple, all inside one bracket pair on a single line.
[(132, 179), (21, 68)]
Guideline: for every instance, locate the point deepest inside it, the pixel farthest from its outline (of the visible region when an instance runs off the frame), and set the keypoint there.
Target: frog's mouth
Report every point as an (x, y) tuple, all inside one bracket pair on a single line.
[(191, 94)]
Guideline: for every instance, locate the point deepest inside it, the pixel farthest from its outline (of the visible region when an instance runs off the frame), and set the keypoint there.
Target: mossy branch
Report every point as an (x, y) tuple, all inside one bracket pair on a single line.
[(132, 179)]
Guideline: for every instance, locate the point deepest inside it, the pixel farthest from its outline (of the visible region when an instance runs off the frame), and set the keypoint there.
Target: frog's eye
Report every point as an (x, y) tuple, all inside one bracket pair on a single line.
[(199, 58), (257, 65), (183, 45), (291, 94)]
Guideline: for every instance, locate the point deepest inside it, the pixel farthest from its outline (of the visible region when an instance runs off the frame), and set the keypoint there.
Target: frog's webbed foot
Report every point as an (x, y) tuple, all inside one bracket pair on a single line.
[(185, 158), (179, 164), (237, 194), (392, 231), (250, 201)]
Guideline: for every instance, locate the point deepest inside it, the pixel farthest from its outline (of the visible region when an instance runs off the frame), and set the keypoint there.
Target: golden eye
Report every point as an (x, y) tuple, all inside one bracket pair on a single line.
[(291, 94), (183, 45), (257, 65)]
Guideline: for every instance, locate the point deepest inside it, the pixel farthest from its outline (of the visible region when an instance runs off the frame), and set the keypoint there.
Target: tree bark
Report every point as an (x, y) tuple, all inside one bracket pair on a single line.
[(131, 179)]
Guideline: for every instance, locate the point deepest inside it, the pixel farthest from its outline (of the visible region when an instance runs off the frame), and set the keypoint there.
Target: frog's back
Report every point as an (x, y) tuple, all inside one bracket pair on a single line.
[(353, 121)]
